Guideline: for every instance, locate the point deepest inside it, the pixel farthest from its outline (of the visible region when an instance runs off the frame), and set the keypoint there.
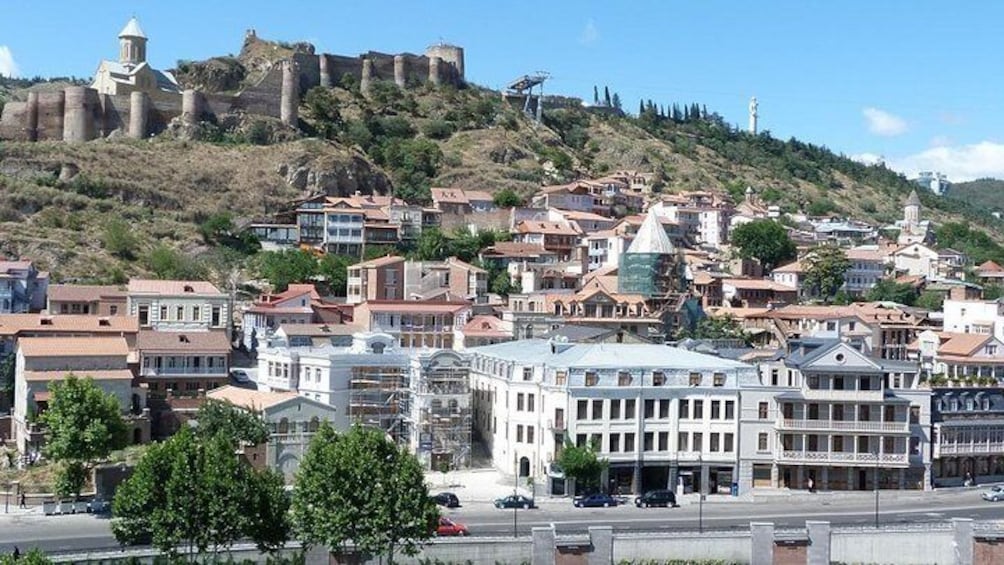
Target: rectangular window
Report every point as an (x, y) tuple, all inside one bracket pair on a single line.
[(729, 439), (838, 383), (684, 409), (629, 409), (559, 378), (649, 442), (614, 444), (664, 409), (663, 441), (714, 443), (915, 446), (719, 379), (684, 441), (582, 409), (773, 377), (650, 409), (761, 442), (628, 442), (838, 412), (658, 378), (179, 313), (698, 443), (529, 434), (144, 315), (163, 313), (716, 409), (217, 317), (730, 410), (196, 313), (519, 402), (597, 409), (615, 409), (624, 378), (762, 411), (838, 444), (915, 414), (519, 433), (527, 373), (592, 378), (695, 379), (113, 309), (529, 403), (698, 409)]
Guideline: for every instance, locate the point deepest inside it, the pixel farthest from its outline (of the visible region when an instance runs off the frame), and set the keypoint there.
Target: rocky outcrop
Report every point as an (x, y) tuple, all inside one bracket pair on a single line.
[(341, 174), (219, 74)]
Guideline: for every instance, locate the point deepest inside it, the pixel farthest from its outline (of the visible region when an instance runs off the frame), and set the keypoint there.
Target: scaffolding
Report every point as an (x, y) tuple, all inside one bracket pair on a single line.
[(379, 398), (443, 419)]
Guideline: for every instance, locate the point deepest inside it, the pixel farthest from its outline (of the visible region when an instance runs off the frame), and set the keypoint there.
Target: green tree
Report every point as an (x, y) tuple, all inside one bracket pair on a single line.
[(359, 487), (507, 198), (322, 106), (930, 300), (33, 556), (195, 492), (83, 425), (887, 290), (825, 267), (119, 239), (168, 263), (438, 129), (222, 418), (432, 245), (502, 284), (717, 327), (990, 292), (282, 268), (216, 227), (582, 465), (463, 244), (7, 366), (334, 269), (764, 240)]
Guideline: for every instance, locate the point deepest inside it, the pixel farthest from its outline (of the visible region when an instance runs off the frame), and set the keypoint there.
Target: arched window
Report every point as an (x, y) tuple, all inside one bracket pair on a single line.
[(284, 426), (314, 424)]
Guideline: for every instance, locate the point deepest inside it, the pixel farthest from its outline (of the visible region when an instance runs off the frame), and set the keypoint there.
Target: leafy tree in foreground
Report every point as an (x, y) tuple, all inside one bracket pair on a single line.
[(717, 327), (237, 425), (84, 425), (360, 487), (825, 267), (33, 556), (195, 492), (887, 290), (764, 240), (582, 465)]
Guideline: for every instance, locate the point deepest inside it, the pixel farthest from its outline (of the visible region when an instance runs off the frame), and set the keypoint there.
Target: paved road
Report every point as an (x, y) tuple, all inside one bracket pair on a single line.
[(81, 533)]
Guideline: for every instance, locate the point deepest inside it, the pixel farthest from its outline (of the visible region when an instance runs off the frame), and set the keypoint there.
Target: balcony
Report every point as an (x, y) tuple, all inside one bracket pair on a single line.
[(866, 426), (843, 458), (173, 371), (844, 395), (975, 448), (556, 425)]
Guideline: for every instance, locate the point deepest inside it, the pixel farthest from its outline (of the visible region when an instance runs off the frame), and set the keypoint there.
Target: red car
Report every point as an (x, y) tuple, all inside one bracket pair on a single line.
[(448, 527)]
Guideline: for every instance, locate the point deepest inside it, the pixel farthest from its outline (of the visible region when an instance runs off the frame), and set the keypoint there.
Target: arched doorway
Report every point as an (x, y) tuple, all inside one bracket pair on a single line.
[(524, 467)]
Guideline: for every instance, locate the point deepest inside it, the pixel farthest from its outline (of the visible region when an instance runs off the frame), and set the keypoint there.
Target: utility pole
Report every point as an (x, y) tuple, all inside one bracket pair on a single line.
[(515, 489), (700, 493)]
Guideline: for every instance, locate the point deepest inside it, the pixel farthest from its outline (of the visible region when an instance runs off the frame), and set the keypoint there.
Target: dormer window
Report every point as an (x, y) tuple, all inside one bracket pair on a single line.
[(719, 379), (658, 378), (46, 321), (592, 379), (183, 338), (695, 379), (188, 288), (105, 322), (624, 378)]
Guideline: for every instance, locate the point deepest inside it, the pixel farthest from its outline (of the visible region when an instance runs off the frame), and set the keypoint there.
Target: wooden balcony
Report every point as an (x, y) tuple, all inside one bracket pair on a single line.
[(969, 448)]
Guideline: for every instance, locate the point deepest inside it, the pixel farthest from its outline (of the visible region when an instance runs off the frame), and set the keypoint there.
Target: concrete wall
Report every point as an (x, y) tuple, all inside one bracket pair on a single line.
[(892, 546), (723, 546)]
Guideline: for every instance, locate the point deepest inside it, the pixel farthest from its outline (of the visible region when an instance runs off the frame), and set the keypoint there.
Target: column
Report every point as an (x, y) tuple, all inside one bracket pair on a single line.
[(762, 543), (774, 475), (824, 478), (542, 552), (962, 529), (602, 539), (819, 542)]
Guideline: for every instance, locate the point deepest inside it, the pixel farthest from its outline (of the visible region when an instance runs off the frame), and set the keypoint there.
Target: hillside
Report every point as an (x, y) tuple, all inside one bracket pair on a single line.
[(58, 200), (986, 194)]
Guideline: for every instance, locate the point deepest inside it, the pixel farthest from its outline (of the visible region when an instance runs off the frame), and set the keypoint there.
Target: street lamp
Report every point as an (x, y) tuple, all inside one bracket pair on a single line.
[(700, 493), (515, 492), (876, 491)]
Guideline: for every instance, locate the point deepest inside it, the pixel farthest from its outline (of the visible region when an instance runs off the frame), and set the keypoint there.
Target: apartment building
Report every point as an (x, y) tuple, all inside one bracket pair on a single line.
[(16, 326), (93, 300), (23, 288), (959, 356), (183, 361), (826, 415), (295, 305), (179, 305), (967, 435), (974, 316), (662, 416), (558, 237), (394, 278)]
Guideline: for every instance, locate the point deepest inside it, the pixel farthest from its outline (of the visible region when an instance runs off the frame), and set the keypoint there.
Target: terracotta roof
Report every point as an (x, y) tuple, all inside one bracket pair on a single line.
[(83, 292), (479, 196), (465, 265), (989, 267), (6, 266), (805, 311), (551, 228), (250, 399), (380, 261), (409, 306), (17, 324), (961, 344), (72, 346), (867, 253), (214, 341), (757, 284), (485, 326), (738, 313), (793, 267), (449, 195), (150, 286), (98, 375), (517, 249)]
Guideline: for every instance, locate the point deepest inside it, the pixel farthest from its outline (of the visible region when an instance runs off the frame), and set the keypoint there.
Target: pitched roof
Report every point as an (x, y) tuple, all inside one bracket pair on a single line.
[(380, 261), (72, 346), (7, 266), (249, 399), (17, 324), (485, 326), (132, 29), (98, 375), (867, 253), (84, 292), (607, 355), (989, 267), (517, 249), (214, 341), (913, 199), (551, 228), (651, 237), (793, 267), (758, 284), (449, 195), (151, 286)]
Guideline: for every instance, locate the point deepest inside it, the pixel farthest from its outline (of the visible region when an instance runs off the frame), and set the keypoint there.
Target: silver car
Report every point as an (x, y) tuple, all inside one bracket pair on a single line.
[(995, 494)]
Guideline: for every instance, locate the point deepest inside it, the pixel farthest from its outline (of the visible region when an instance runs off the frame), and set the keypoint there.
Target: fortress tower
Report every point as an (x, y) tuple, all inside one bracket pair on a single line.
[(132, 44)]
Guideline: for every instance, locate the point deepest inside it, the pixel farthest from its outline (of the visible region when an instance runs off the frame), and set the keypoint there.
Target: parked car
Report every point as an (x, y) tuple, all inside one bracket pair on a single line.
[(995, 494), (594, 501), (240, 376), (447, 499), (448, 527), (656, 498), (515, 501)]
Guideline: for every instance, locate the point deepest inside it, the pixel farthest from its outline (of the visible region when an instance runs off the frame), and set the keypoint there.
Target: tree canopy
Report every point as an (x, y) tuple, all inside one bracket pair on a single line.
[(717, 327), (582, 465), (825, 267), (360, 487), (507, 198), (236, 424), (764, 240), (195, 492), (887, 290), (83, 424)]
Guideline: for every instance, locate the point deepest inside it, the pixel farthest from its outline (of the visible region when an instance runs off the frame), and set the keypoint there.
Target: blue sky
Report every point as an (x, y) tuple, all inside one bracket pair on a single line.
[(915, 82)]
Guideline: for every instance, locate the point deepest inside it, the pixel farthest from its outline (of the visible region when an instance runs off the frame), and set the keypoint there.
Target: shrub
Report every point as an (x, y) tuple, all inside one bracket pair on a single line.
[(438, 129)]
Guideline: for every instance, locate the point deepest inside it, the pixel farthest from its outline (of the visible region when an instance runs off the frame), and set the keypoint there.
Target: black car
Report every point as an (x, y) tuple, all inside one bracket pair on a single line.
[(447, 499), (515, 501), (594, 501), (656, 498)]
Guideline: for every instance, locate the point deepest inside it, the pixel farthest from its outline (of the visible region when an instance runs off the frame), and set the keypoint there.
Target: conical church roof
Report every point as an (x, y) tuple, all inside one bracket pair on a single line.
[(651, 237), (132, 29), (913, 200)]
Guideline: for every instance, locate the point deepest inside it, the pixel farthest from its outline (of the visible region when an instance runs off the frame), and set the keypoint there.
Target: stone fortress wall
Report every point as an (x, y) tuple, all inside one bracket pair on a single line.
[(81, 113)]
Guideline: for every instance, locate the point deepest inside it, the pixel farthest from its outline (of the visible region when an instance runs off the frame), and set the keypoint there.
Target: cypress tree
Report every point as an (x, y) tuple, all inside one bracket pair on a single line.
[(606, 96), (596, 95)]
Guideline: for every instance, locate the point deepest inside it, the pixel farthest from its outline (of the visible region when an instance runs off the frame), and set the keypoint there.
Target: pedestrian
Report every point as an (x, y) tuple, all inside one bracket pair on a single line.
[(812, 485), (23, 497)]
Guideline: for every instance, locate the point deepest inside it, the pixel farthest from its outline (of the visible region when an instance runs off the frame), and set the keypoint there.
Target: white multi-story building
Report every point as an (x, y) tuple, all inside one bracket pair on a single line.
[(663, 417), (178, 305), (419, 397), (974, 317), (868, 265)]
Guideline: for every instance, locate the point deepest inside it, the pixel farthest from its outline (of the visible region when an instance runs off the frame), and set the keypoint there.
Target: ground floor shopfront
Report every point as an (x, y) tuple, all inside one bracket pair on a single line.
[(830, 478), (954, 471), (628, 478)]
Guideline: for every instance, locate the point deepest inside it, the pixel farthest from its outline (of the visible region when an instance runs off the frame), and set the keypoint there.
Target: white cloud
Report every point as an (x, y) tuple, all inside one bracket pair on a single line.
[(960, 163), (883, 123), (590, 33), (940, 141), (868, 158), (8, 67)]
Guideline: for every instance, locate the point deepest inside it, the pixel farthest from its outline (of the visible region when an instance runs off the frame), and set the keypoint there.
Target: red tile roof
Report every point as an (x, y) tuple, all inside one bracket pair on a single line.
[(174, 288), (72, 346), (153, 341)]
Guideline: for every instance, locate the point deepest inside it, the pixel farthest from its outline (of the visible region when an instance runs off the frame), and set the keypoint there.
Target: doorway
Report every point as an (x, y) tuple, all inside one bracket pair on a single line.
[(524, 467), (862, 479)]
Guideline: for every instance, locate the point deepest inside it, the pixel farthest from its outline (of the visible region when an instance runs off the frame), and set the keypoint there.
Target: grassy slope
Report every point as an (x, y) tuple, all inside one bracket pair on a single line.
[(984, 193)]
